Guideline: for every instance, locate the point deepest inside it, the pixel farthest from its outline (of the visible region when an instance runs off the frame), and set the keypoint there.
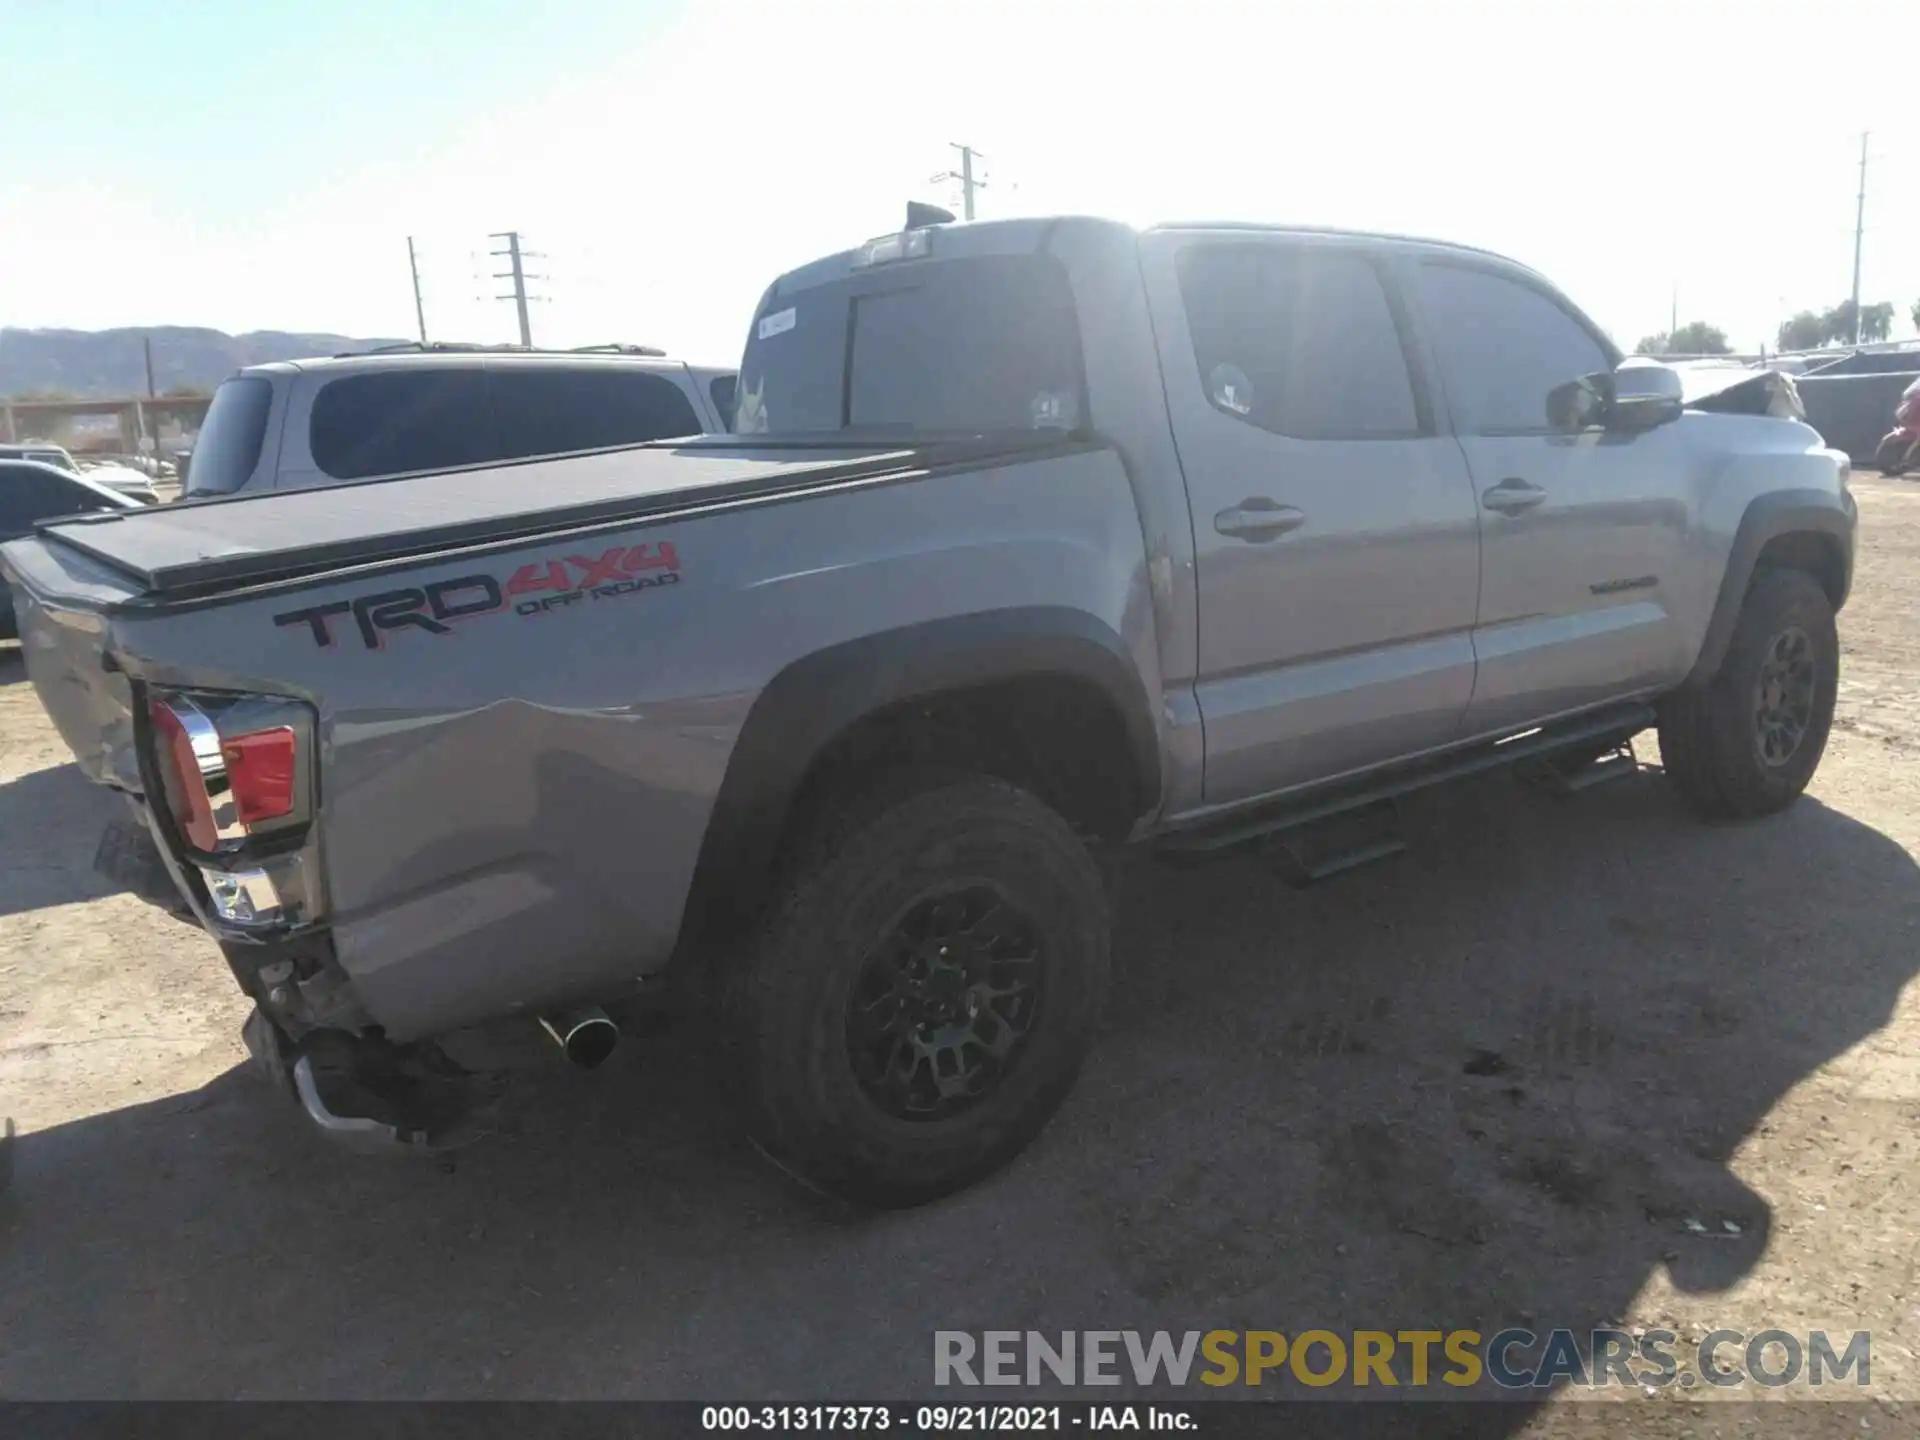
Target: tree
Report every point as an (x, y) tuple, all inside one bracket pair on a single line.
[(1915, 312), (1836, 326), (185, 392), (1805, 331), (1876, 321), (1697, 337), (1657, 344)]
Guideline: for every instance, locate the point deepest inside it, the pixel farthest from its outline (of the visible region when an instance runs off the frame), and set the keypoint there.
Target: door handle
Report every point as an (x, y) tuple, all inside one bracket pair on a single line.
[(1258, 519), (1512, 496)]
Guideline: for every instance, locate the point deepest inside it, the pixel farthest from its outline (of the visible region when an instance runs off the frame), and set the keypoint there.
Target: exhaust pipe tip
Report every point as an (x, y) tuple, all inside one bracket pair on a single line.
[(586, 1035)]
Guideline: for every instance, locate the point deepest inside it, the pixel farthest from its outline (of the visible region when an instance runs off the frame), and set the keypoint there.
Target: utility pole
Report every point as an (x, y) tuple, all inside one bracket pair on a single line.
[(146, 346), (965, 176), (517, 273), (419, 310), (1673, 325), (1859, 229)]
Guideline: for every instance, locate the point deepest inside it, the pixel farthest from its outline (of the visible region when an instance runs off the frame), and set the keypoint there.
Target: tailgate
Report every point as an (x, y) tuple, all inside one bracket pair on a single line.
[(59, 602)]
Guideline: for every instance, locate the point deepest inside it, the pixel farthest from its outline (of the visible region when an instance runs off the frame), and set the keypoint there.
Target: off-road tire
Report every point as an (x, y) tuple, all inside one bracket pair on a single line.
[(1708, 742), (784, 995), (1894, 456)]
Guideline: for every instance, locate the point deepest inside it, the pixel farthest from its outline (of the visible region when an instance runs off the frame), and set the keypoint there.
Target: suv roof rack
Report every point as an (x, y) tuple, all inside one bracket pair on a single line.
[(616, 348), (467, 347)]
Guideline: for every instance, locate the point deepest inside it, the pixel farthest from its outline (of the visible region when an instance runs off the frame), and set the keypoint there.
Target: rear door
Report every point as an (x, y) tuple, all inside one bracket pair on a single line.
[(1583, 535), (1334, 525)]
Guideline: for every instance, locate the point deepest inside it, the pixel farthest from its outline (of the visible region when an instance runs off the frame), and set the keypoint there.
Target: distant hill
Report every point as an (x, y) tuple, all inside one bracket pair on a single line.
[(109, 362)]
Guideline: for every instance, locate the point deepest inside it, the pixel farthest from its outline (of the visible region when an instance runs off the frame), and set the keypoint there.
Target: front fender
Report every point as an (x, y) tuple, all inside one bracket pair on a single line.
[(1830, 515)]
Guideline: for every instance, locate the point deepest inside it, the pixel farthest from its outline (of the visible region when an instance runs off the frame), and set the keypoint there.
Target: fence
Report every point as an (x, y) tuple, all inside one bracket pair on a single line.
[(1852, 412)]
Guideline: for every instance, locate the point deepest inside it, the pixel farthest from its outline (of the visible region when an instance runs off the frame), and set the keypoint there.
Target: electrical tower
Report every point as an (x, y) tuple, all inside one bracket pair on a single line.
[(965, 175), (516, 259)]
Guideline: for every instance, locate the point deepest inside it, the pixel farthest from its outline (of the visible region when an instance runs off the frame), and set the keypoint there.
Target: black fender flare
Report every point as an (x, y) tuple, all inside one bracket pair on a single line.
[(1767, 518), (817, 697)]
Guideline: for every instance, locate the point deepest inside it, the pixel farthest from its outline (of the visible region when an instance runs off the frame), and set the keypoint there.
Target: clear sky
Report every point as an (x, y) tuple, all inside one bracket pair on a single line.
[(256, 164)]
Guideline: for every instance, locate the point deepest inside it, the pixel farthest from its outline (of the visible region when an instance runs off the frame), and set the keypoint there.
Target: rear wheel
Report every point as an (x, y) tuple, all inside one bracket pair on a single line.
[(917, 1005), (1894, 455), (1748, 741)]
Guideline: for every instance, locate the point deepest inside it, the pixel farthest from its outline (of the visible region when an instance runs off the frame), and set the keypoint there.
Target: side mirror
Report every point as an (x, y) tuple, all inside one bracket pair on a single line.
[(1643, 396), (1626, 401)]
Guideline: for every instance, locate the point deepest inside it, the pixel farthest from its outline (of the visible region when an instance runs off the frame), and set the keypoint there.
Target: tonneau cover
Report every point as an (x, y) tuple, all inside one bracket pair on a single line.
[(203, 546)]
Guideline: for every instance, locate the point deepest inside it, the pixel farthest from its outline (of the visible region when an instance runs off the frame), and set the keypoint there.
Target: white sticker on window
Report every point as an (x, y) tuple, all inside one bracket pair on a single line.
[(777, 323)]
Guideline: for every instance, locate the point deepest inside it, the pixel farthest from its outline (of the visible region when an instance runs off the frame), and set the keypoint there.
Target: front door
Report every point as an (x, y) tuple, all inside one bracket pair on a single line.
[(1582, 534), (1334, 527)]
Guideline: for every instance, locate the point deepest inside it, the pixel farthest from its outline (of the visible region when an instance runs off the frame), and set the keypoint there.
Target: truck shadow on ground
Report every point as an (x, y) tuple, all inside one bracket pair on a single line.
[(50, 827), (1487, 1083), (13, 664)]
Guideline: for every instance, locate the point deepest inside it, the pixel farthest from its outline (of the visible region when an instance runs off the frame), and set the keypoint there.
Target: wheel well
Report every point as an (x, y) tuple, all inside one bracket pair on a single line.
[(1817, 554), (1060, 737)]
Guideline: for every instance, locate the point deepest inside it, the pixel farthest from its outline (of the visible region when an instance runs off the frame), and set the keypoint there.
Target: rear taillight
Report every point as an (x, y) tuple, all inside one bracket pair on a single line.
[(233, 770), (188, 747), (260, 772)]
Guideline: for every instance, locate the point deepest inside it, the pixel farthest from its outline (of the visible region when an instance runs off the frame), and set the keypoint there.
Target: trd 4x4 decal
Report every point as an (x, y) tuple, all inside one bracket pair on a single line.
[(531, 590)]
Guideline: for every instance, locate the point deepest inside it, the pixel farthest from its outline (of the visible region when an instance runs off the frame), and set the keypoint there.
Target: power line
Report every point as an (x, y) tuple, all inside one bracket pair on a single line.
[(517, 273), (419, 310), (968, 184)]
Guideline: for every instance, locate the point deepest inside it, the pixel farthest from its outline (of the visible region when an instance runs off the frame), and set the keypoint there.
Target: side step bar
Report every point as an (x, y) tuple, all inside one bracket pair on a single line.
[(1609, 728)]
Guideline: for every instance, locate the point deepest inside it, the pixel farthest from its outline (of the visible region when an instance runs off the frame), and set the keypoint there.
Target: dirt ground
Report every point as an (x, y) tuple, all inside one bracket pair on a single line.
[(1498, 1080)]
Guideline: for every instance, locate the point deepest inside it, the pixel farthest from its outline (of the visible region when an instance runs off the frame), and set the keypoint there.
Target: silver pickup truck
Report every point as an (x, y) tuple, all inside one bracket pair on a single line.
[(1039, 534)]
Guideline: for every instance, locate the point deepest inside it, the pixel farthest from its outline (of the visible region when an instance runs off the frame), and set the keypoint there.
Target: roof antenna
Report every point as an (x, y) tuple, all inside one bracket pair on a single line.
[(919, 213)]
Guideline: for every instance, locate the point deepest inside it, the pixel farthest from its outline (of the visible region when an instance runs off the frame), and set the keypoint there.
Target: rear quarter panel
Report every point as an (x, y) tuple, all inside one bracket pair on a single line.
[(511, 813)]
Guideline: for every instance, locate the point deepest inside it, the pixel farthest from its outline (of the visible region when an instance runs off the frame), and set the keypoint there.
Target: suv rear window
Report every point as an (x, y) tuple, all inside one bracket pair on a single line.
[(396, 421), (975, 345), (228, 446), (549, 411)]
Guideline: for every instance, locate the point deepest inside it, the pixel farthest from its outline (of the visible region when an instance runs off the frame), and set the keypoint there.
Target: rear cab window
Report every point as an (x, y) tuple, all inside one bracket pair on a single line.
[(227, 449), (983, 344)]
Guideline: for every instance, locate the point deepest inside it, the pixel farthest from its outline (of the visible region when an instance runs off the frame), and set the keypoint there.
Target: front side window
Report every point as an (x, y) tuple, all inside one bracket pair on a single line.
[(396, 421), (1297, 339), (1503, 347)]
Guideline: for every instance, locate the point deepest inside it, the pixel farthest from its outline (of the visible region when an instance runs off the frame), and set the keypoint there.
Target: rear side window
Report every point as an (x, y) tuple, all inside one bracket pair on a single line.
[(723, 388), (392, 422), (552, 411), (228, 446), (1298, 340), (1503, 346)]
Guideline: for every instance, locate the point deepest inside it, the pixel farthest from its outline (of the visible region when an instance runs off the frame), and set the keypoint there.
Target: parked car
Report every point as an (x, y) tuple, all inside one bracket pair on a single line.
[(31, 492), (41, 452), (134, 484), (301, 423), (1041, 535)]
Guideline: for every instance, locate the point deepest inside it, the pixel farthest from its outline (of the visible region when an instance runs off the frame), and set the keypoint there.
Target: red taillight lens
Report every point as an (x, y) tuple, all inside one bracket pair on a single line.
[(260, 773), (186, 787)]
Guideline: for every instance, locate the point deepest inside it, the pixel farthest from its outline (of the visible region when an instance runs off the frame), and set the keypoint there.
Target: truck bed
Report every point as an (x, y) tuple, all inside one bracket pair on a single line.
[(203, 547)]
